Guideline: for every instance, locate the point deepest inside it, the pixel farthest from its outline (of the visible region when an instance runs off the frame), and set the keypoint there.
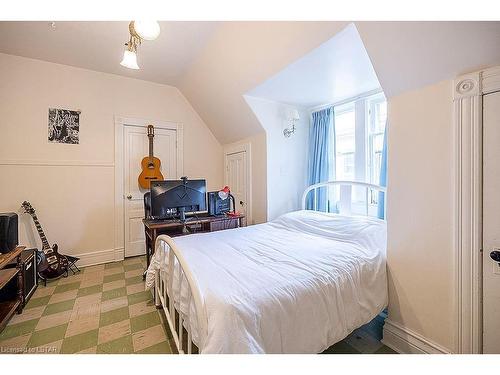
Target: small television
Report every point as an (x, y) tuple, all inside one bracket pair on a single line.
[(8, 232), (173, 198)]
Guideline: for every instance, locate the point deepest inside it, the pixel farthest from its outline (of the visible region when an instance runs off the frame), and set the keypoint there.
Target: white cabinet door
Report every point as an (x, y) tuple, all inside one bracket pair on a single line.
[(135, 148), (236, 179), (491, 223)]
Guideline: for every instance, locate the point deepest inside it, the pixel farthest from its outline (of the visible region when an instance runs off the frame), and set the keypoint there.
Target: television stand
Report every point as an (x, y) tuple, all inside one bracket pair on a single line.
[(201, 223), (11, 286)]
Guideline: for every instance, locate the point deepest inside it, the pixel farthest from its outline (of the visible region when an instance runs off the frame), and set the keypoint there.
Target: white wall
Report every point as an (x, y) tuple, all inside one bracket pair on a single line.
[(420, 205), (286, 157), (73, 191)]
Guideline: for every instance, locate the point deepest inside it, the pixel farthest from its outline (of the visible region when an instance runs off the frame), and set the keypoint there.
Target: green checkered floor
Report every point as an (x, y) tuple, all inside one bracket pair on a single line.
[(103, 309)]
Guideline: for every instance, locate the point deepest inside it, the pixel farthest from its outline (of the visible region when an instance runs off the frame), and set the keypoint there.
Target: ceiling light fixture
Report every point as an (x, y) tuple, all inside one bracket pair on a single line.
[(129, 60), (139, 30), (147, 30)]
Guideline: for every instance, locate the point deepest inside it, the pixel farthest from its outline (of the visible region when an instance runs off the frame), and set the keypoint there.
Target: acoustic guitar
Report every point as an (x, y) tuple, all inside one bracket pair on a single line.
[(150, 165), (51, 264)]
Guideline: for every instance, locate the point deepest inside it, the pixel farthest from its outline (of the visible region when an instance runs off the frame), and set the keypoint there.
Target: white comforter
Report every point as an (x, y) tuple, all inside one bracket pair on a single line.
[(297, 284)]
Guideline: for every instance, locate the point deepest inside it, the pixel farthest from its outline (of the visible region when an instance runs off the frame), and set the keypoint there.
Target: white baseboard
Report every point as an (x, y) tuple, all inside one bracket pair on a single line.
[(119, 254), (405, 341), (100, 257)]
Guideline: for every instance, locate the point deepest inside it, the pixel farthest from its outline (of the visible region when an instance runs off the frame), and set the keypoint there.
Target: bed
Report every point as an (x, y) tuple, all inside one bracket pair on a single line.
[(297, 284)]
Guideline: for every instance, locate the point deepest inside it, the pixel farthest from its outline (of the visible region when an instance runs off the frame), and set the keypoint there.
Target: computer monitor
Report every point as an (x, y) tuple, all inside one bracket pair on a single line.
[(173, 198)]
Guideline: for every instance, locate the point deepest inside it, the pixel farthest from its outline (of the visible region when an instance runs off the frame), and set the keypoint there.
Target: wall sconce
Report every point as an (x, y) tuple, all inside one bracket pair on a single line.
[(292, 118)]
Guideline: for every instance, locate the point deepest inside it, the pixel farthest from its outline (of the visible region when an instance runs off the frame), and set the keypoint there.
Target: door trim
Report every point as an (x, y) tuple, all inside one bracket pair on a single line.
[(120, 123), (247, 148), (468, 91)]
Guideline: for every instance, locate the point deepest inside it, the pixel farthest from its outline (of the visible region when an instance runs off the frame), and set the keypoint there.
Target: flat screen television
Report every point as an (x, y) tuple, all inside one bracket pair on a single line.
[(173, 198)]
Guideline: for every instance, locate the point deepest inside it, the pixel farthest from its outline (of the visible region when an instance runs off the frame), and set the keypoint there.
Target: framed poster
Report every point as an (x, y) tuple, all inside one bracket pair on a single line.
[(64, 126)]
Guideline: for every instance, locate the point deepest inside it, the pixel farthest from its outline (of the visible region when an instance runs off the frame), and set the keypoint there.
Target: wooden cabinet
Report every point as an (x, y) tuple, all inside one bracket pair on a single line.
[(11, 286)]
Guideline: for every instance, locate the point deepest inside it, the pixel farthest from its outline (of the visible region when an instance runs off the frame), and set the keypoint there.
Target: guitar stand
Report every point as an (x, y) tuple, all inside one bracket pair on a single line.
[(71, 267), (72, 264)]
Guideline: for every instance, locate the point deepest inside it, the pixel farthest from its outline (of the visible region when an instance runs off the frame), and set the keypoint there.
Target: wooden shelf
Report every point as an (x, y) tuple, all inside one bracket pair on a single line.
[(7, 309), (7, 275), (9, 257)]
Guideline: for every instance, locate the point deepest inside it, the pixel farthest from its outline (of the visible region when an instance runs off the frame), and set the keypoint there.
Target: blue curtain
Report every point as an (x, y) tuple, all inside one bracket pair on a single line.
[(383, 177), (321, 151)]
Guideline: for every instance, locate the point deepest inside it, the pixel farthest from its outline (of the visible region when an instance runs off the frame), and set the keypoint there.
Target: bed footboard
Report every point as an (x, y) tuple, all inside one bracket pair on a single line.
[(178, 293)]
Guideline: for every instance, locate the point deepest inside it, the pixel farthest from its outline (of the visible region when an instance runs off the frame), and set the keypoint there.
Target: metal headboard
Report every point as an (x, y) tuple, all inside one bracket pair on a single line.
[(345, 194)]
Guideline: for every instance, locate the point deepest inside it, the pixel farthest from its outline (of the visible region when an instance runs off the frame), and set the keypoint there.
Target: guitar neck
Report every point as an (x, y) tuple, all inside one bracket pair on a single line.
[(150, 147), (38, 226)]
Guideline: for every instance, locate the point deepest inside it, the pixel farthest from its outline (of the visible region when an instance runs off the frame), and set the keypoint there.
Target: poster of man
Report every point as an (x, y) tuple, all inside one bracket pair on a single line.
[(64, 126)]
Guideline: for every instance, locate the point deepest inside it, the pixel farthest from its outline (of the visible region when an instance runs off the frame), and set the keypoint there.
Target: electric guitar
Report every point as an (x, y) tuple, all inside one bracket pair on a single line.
[(51, 264), (150, 165)]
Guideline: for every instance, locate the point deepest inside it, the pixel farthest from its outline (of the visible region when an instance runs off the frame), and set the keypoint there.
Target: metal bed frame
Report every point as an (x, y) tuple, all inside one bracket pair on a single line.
[(170, 282)]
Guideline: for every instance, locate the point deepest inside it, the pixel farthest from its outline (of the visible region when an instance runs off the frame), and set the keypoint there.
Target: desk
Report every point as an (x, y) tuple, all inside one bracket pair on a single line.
[(198, 224)]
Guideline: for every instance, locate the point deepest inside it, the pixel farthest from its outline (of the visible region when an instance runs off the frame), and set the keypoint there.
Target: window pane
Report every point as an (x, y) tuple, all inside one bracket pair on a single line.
[(345, 142), (376, 129), (379, 112)]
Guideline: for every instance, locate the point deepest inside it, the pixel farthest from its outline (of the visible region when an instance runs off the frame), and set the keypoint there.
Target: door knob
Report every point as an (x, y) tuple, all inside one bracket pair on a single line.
[(241, 202), (129, 197), (495, 255)]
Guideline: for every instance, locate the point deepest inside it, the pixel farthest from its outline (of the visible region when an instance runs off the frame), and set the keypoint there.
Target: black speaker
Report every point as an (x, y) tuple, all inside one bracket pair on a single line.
[(30, 275), (216, 205), (8, 232)]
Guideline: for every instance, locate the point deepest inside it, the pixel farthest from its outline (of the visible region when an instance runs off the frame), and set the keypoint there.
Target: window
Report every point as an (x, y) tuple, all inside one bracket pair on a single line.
[(359, 139), (345, 142), (377, 115)]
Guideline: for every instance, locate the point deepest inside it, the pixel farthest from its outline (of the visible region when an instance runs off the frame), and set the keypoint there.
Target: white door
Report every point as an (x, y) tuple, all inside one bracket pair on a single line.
[(491, 223), (236, 179), (135, 148)]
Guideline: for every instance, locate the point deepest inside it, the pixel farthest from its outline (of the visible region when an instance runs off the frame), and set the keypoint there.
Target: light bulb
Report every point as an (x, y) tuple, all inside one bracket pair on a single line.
[(129, 60), (147, 30)]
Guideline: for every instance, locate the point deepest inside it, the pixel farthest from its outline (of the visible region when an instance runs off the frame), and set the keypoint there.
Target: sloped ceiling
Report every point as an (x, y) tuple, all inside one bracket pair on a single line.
[(410, 55), (240, 56), (215, 64), (99, 45), (405, 56), (338, 69)]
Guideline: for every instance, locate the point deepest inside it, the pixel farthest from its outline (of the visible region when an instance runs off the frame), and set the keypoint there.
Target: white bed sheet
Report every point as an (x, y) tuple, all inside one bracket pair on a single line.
[(297, 284)]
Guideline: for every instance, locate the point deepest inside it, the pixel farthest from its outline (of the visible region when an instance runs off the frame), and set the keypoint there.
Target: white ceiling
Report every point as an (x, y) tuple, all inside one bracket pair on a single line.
[(216, 64), (410, 55), (99, 46), (338, 69)]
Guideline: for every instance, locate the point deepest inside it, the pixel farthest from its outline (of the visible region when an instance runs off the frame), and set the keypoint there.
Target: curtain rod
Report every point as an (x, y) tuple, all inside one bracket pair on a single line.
[(345, 101)]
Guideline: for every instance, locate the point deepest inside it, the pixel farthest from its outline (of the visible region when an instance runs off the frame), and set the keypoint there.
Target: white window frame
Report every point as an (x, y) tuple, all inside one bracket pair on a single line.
[(339, 110), (369, 136), (364, 122)]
